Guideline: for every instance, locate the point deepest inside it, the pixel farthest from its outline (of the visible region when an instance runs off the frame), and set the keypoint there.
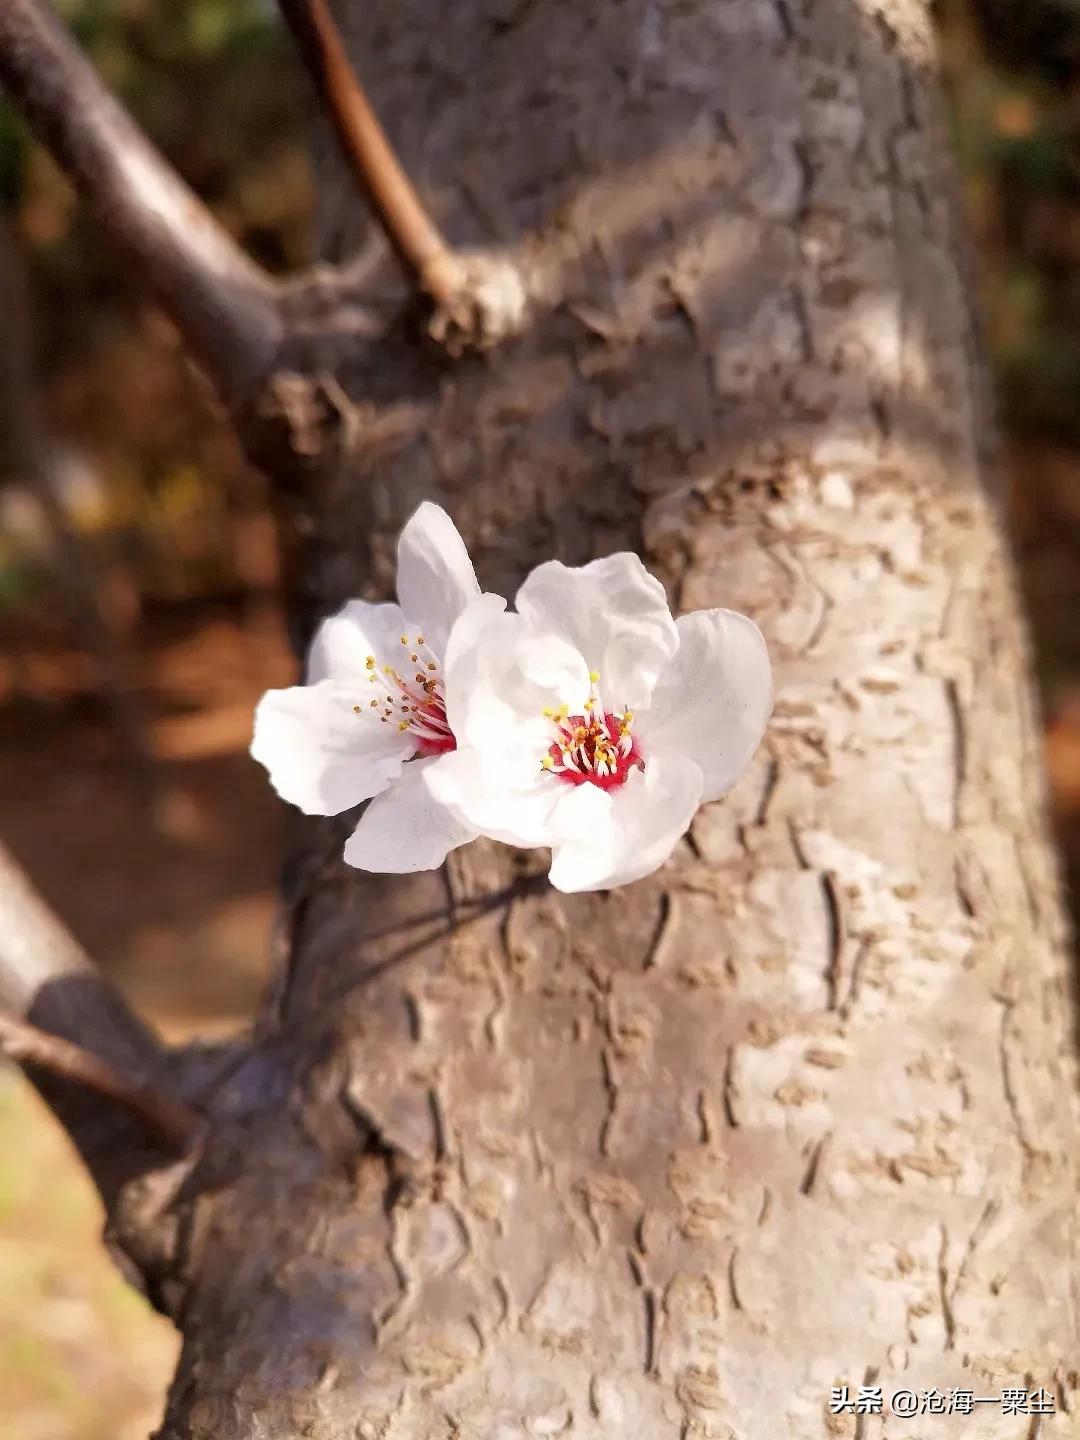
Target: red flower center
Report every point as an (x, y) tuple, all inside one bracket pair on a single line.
[(593, 749)]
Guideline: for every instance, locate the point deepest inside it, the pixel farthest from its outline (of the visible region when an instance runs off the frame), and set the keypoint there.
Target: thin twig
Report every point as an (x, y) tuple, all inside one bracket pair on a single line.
[(165, 1118), (417, 241), (222, 303)]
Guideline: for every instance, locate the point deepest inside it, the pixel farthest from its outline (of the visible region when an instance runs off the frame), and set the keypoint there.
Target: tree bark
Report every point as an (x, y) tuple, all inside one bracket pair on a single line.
[(800, 1110)]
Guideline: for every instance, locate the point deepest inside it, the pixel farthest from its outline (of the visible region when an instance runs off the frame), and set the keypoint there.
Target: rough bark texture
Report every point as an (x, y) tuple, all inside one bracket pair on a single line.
[(800, 1109)]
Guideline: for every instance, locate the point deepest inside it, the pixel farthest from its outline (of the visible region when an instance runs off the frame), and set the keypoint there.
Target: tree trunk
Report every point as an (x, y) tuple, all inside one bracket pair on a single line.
[(800, 1109)]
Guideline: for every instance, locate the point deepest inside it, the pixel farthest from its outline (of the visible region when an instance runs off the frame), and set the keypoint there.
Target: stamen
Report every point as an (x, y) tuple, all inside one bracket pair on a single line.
[(419, 706), (595, 747)]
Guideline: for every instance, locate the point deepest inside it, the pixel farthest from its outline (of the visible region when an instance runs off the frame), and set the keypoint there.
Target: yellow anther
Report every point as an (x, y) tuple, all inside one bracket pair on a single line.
[(404, 639), (370, 662), (594, 676), (547, 763), (628, 717), (589, 703), (548, 712), (404, 724)]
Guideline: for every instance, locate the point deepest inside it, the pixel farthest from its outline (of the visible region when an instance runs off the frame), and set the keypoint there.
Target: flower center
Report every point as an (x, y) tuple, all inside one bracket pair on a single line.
[(596, 747), (416, 703)]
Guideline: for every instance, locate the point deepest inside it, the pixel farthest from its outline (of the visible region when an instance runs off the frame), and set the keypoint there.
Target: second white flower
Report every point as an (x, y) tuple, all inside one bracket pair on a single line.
[(592, 722)]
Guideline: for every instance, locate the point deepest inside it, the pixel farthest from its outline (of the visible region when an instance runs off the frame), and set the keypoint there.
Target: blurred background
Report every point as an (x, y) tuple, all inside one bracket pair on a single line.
[(138, 621)]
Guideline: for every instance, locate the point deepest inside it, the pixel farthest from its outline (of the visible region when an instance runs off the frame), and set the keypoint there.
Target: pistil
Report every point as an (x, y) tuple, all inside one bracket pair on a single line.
[(596, 747)]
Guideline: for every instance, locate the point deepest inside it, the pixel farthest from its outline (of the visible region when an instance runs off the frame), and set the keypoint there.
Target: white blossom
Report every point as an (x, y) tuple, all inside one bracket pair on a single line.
[(592, 722), (589, 721), (371, 720)]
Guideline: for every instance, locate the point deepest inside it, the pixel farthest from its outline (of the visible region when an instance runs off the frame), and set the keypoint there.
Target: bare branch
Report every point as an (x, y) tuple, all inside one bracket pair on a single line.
[(223, 304), (416, 239), (480, 298), (35, 948), (47, 979), (164, 1118)]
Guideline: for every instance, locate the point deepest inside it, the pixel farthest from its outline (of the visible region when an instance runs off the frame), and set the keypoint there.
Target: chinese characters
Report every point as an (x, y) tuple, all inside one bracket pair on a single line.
[(870, 1400)]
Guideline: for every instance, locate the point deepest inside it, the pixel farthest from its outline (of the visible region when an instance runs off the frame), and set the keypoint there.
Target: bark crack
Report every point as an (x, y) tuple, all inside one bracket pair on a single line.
[(960, 748), (949, 1297), (732, 1279), (730, 1089), (1008, 1085), (947, 1313), (834, 914), (611, 1090), (813, 1168), (662, 932)]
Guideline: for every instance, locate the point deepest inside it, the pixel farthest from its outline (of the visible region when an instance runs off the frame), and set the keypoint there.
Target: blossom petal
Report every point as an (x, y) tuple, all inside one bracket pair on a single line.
[(515, 815), (343, 642), (610, 837), (405, 828), (714, 700), (500, 676), (614, 613), (435, 577), (322, 756)]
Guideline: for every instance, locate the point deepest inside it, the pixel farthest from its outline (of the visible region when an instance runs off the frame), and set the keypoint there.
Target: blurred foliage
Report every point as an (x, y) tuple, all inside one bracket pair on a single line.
[(241, 147), (158, 485), (1013, 70)]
